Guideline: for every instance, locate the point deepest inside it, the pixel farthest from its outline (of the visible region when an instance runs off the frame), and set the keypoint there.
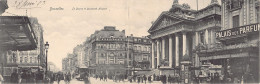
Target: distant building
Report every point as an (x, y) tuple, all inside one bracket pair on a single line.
[(139, 54), (65, 64), (78, 51), (52, 67), (108, 50)]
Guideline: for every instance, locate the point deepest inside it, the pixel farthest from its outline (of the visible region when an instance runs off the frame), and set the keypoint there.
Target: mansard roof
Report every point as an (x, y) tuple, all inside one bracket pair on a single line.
[(107, 32)]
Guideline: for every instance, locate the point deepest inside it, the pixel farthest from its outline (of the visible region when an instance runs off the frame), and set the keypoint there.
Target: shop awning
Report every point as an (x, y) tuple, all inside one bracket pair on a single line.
[(16, 33)]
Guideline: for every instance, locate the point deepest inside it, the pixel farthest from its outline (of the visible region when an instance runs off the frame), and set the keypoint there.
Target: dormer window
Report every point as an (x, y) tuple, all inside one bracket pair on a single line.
[(111, 35)]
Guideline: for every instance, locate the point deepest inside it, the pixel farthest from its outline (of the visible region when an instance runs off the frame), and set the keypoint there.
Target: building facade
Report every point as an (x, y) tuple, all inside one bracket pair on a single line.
[(177, 32), (138, 54), (237, 50), (108, 51), (29, 60), (225, 38)]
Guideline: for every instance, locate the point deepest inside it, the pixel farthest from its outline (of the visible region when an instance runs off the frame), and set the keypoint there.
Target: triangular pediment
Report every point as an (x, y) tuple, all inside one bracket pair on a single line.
[(164, 20)]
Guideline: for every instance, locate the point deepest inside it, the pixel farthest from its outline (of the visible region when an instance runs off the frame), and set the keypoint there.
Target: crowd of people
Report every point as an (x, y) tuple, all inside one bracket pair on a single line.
[(137, 78), (25, 77)]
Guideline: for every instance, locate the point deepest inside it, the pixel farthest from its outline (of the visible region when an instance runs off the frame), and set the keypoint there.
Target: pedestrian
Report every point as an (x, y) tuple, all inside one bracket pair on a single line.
[(149, 79), (138, 79), (58, 78), (154, 76), (105, 77), (96, 76), (1, 79), (145, 78), (14, 77), (24, 77), (142, 79), (169, 79), (39, 77), (68, 78)]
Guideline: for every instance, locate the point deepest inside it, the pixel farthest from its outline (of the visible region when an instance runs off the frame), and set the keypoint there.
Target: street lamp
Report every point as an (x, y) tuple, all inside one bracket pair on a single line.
[(46, 47)]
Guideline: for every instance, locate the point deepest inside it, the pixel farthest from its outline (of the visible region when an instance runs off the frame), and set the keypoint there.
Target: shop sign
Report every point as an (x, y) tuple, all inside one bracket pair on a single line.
[(238, 31)]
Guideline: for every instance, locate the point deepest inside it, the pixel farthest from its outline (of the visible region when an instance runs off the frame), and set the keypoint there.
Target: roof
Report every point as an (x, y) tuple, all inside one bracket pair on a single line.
[(169, 14)]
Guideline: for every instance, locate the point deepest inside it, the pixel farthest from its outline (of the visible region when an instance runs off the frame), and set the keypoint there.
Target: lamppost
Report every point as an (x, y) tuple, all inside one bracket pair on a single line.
[(38, 58), (46, 47)]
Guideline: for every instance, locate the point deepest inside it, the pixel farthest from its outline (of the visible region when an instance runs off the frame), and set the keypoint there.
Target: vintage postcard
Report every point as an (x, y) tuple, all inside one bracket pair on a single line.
[(129, 41)]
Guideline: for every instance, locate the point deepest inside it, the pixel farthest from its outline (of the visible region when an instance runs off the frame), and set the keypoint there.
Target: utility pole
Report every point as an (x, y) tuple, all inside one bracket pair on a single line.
[(197, 5)]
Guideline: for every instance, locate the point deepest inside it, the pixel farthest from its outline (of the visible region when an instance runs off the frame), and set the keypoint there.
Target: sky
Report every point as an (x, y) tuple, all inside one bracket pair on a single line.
[(67, 28)]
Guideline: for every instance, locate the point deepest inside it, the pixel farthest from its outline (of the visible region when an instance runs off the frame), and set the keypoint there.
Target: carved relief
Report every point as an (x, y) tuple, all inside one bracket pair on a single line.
[(166, 22)]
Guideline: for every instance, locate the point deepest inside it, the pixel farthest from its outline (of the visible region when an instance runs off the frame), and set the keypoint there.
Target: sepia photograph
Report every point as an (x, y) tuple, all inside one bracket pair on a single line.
[(129, 41)]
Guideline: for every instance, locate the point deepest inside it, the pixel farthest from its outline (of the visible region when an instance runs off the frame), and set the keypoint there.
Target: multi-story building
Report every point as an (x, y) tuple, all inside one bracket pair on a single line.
[(30, 60), (65, 64), (237, 50), (108, 50), (79, 53), (52, 67), (139, 54), (178, 31)]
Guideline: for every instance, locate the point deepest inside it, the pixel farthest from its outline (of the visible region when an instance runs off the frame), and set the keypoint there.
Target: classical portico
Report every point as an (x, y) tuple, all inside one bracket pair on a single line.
[(166, 50), (171, 37)]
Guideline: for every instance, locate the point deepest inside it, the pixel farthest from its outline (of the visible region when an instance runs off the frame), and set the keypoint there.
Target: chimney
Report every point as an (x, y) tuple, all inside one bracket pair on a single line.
[(131, 35), (176, 2), (214, 2), (109, 28), (123, 31)]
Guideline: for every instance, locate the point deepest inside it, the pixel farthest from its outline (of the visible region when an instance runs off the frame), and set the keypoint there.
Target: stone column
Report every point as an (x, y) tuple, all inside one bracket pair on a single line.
[(96, 58), (170, 50), (206, 36), (184, 43), (158, 53), (107, 58), (114, 59), (212, 38), (176, 50), (18, 57), (153, 54), (196, 55), (196, 39), (163, 47)]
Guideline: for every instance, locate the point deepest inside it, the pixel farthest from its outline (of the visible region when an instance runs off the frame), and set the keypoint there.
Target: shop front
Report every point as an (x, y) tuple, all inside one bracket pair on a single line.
[(237, 52)]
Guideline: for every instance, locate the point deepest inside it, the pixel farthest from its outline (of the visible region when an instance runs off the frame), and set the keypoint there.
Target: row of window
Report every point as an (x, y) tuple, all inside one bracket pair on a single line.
[(140, 40), (111, 61), (142, 48), (110, 46), (23, 59)]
